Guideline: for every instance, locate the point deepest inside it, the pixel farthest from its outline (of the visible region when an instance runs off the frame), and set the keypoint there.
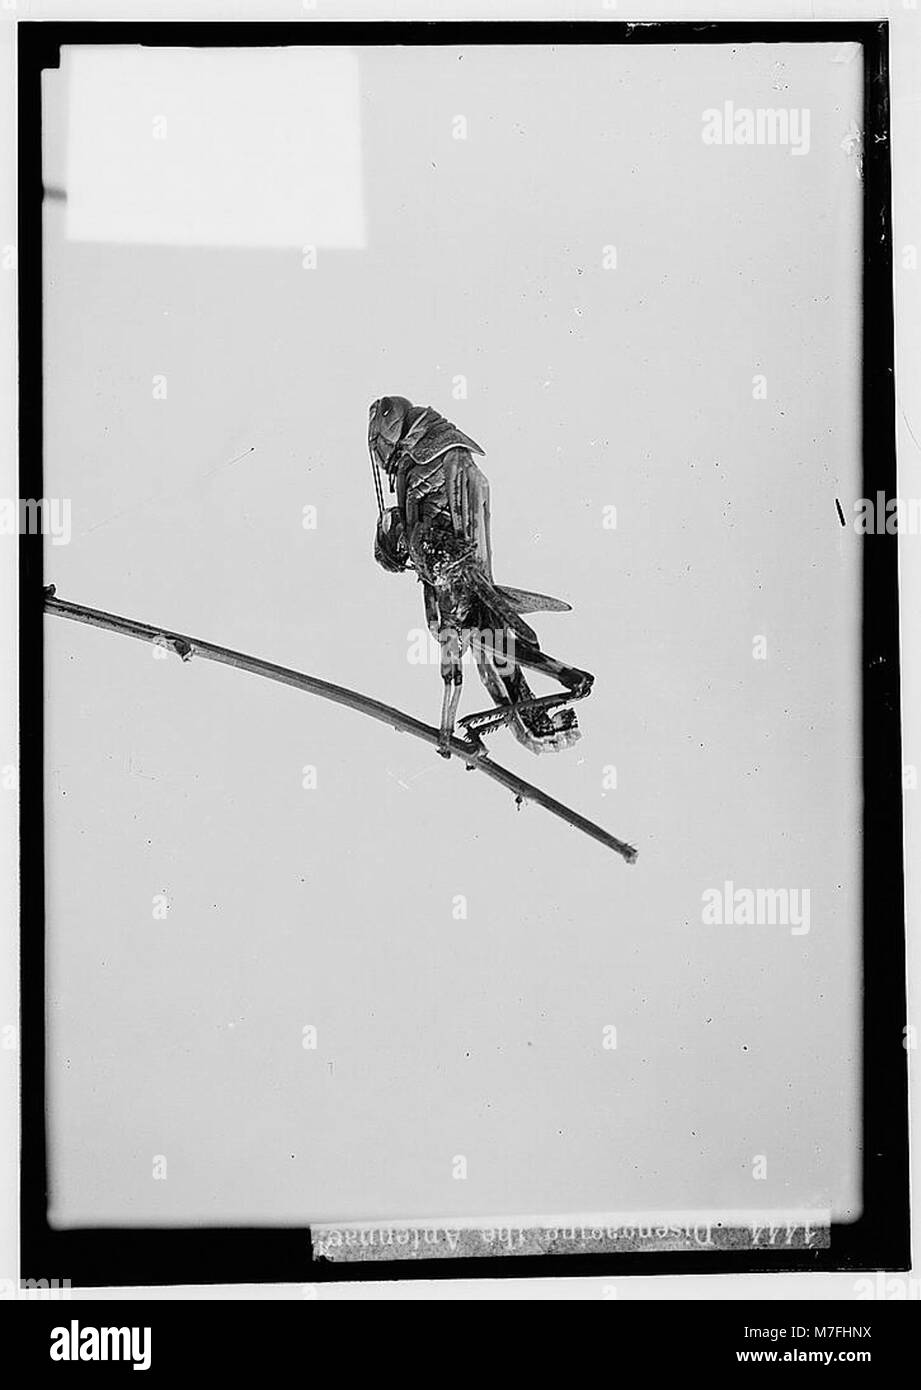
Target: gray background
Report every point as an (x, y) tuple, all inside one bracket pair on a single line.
[(333, 906)]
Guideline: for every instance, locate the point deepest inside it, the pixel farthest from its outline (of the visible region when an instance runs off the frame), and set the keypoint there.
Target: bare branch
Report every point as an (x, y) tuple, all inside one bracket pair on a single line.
[(188, 647)]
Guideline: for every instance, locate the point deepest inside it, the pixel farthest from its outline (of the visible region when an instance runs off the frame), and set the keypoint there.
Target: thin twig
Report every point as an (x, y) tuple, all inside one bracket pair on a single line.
[(187, 647)]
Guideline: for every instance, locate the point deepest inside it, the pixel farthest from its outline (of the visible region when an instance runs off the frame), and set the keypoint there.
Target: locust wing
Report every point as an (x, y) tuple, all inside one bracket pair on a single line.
[(523, 601), (468, 497)]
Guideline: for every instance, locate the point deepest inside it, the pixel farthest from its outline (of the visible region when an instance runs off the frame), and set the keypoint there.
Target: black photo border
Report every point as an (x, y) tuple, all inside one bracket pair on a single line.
[(879, 1239)]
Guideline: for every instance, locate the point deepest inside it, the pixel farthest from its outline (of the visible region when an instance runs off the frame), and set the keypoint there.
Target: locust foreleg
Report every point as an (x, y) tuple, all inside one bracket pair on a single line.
[(452, 673)]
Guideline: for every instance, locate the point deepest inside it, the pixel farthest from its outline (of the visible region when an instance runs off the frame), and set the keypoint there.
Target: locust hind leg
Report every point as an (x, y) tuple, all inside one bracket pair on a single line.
[(538, 722), (578, 683), (505, 685), (551, 717), (508, 688)]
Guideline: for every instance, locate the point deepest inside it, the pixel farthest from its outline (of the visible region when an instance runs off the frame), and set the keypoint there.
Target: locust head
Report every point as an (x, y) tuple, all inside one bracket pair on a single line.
[(388, 420)]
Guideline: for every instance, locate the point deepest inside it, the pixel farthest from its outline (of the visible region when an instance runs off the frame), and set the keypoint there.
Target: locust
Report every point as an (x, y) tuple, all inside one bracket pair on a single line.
[(439, 526)]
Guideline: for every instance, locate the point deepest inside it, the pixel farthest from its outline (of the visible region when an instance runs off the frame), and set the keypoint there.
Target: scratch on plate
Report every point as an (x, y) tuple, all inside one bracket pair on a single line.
[(167, 496), (914, 437), (852, 144)]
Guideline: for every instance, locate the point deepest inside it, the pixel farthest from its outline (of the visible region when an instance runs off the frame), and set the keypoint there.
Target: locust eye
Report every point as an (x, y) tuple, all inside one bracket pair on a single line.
[(389, 417)]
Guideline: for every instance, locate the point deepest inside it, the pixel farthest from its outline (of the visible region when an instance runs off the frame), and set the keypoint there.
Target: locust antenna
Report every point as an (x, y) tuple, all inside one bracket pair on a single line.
[(375, 473)]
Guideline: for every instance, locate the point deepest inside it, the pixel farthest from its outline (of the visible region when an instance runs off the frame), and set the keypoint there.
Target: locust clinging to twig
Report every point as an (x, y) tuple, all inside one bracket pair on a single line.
[(439, 526)]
